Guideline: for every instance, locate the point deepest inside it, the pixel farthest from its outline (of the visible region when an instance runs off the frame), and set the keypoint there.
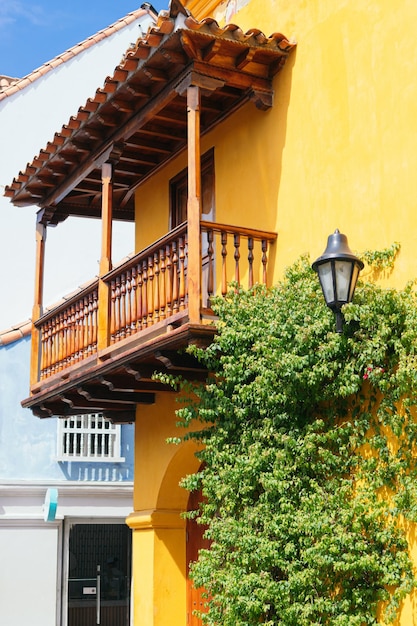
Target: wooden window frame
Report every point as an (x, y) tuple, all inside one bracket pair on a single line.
[(178, 187)]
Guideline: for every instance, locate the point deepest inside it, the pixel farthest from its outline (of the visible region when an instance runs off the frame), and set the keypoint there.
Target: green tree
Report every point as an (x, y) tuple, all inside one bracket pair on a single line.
[(308, 461)]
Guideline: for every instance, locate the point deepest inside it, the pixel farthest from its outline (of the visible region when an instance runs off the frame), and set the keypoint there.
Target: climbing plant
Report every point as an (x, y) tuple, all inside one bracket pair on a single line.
[(308, 463)]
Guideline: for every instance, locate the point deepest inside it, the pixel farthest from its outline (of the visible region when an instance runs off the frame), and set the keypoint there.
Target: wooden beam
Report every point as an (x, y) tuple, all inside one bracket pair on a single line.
[(38, 299), (101, 394), (123, 132), (103, 336), (194, 203)]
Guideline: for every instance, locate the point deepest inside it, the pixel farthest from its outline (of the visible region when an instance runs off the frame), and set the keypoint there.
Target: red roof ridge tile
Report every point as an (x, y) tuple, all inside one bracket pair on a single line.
[(23, 82)]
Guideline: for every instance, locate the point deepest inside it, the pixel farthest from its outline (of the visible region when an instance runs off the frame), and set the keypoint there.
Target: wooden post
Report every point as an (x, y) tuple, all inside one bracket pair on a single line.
[(37, 302), (194, 203), (103, 337)]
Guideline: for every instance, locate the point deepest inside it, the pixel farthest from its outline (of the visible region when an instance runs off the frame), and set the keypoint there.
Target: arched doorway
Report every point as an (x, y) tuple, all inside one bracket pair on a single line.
[(195, 542)]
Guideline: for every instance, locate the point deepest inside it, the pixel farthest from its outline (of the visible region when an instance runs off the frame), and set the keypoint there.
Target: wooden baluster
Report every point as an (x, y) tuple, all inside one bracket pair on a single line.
[(140, 296), (80, 333), (47, 368), (80, 329), (86, 327), (44, 340), (169, 280), (90, 324), (72, 336), (224, 259), (49, 362), (210, 274), (95, 320), (67, 335), (250, 261), (156, 291), (145, 294), (134, 286), (264, 260), (182, 273), (112, 311), (117, 309), (81, 323), (237, 258), (162, 312), (76, 331), (128, 303), (175, 298), (60, 341), (150, 292), (53, 344), (122, 334), (49, 350)]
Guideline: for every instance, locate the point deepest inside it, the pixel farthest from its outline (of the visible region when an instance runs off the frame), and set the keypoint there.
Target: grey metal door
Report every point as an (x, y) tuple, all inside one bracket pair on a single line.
[(99, 575)]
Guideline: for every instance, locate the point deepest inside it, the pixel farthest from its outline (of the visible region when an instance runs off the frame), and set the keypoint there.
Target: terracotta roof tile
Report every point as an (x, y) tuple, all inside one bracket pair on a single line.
[(19, 84), (15, 333), (174, 27)]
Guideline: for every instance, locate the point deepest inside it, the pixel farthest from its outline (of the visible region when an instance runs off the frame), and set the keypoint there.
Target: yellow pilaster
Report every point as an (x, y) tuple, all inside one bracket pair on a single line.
[(159, 577)]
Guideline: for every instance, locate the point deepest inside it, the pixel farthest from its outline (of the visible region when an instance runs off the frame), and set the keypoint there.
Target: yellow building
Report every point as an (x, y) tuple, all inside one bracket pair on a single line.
[(279, 140)]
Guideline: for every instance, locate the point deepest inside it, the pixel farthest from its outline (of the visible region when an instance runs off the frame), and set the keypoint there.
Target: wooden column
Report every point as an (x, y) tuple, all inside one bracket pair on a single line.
[(194, 203), (103, 336), (38, 300)]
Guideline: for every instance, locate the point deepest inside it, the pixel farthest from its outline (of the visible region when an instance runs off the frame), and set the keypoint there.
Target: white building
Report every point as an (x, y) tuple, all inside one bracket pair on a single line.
[(76, 474)]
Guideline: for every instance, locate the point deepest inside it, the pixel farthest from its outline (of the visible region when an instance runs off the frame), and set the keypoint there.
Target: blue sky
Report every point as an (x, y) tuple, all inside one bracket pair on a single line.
[(35, 31)]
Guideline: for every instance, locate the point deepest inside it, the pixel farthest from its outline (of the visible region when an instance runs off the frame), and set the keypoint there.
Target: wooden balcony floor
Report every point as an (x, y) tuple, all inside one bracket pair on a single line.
[(118, 378)]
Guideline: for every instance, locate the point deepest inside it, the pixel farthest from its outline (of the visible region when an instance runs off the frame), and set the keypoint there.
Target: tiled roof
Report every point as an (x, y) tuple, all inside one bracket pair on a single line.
[(17, 84), (10, 335), (241, 64), (6, 82)]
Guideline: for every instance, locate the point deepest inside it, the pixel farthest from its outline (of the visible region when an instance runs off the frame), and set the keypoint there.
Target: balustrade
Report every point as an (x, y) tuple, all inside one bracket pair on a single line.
[(152, 287), (68, 334)]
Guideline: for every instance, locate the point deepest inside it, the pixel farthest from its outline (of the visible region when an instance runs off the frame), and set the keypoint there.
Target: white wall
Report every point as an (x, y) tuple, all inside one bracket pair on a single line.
[(28, 120), (28, 574)]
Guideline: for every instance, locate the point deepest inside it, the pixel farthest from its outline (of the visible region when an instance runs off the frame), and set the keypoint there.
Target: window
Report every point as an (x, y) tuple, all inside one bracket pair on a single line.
[(178, 192), (89, 438)]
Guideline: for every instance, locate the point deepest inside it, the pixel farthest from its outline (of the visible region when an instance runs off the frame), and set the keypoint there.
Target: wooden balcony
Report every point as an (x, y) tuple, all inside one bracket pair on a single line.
[(99, 349), (138, 322)]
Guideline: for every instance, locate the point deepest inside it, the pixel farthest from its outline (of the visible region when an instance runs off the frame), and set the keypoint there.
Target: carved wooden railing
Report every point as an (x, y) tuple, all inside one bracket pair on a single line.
[(152, 287), (249, 258), (68, 334)]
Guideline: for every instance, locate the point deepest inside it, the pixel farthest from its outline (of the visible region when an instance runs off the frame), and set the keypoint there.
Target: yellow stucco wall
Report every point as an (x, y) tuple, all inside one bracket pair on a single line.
[(159, 541), (337, 150), (343, 126)]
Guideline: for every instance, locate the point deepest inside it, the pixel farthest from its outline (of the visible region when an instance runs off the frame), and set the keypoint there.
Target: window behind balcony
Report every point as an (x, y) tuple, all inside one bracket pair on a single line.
[(89, 438), (178, 192)]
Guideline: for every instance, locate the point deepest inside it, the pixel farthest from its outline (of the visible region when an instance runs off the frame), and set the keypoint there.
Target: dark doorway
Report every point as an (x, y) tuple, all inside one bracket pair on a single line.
[(99, 575), (195, 542)]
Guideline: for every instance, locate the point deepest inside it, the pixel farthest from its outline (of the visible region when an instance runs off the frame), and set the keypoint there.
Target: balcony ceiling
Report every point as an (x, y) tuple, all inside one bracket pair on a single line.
[(138, 119), (126, 378)]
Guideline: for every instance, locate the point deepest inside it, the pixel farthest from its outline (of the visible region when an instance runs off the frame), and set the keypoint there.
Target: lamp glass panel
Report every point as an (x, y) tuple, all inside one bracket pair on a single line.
[(326, 280), (355, 274), (343, 271)]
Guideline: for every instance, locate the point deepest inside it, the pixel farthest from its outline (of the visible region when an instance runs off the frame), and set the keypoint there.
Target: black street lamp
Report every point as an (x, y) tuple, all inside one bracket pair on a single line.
[(338, 269)]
